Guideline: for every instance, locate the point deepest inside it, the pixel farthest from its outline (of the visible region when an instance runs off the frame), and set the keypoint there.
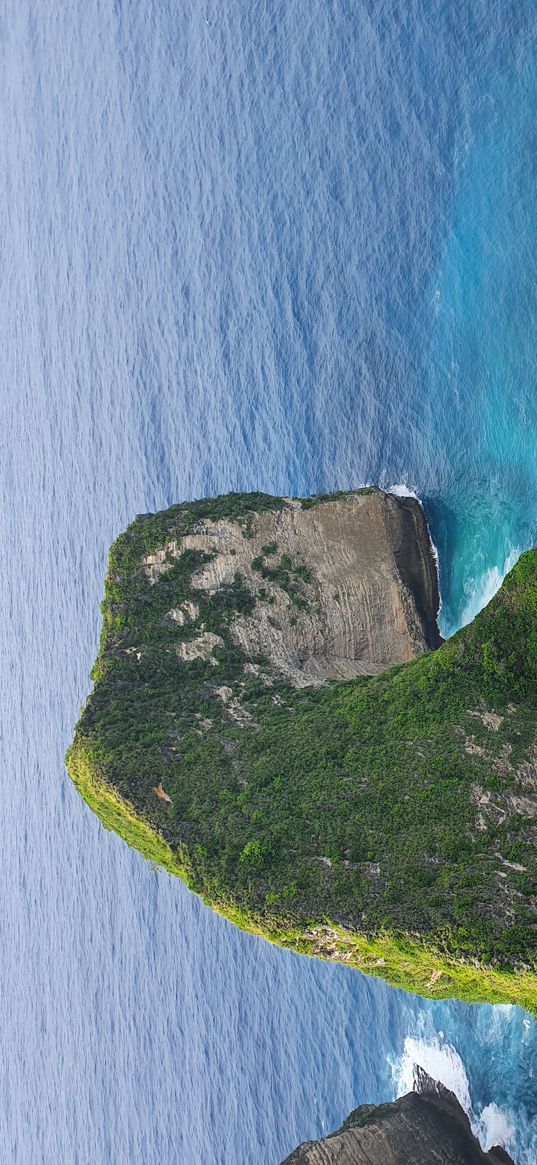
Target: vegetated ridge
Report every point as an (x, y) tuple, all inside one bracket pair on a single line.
[(242, 732)]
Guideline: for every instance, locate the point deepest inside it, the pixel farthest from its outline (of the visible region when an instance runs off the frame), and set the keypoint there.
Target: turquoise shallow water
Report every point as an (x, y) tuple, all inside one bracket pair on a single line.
[(287, 247), (482, 353)]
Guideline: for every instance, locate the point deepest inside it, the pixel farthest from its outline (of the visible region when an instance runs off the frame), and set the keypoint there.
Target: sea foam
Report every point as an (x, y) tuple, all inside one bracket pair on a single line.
[(491, 1125)]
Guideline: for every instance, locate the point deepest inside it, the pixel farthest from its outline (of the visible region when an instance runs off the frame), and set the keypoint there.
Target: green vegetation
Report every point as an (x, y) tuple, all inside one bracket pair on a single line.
[(318, 499), (287, 574), (387, 822)]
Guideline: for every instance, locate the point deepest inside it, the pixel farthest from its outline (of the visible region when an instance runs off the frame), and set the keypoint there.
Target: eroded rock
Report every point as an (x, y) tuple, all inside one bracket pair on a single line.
[(427, 1125)]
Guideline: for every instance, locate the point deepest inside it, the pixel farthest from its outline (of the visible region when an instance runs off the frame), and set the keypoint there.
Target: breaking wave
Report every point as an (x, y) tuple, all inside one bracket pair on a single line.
[(492, 1124)]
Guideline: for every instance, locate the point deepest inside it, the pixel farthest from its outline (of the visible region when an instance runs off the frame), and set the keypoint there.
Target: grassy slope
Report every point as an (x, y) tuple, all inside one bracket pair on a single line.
[(346, 825)]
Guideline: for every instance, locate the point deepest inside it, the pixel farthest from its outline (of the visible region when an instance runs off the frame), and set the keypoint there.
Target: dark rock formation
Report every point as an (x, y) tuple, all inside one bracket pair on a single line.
[(426, 1127)]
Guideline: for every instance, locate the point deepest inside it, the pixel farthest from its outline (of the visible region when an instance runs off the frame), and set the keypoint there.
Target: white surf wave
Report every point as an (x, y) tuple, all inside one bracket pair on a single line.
[(440, 1060), (401, 490), (492, 1126), (488, 586)]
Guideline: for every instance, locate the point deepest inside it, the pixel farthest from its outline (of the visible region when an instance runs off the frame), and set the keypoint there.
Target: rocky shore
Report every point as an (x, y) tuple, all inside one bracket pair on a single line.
[(424, 1127)]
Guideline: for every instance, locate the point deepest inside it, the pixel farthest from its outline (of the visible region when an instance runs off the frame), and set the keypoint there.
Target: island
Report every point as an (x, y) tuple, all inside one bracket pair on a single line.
[(275, 719), (426, 1125)]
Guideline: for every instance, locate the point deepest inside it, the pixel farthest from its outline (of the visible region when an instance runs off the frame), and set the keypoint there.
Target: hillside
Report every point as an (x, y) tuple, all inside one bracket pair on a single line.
[(243, 732)]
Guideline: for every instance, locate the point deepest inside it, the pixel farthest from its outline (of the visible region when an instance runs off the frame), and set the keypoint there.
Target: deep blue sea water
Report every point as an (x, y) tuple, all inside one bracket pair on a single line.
[(286, 246)]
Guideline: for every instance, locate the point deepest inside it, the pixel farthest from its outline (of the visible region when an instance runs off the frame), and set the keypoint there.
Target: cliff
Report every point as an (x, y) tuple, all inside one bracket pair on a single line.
[(343, 588), (426, 1125), (275, 719)]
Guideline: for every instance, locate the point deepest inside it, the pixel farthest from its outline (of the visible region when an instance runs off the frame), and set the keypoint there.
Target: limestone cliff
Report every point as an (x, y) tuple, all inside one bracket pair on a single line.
[(346, 587), (428, 1125)]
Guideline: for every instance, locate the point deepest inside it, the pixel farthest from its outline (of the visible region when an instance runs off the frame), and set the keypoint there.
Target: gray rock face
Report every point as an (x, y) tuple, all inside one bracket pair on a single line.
[(367, 577), (426, 1127)]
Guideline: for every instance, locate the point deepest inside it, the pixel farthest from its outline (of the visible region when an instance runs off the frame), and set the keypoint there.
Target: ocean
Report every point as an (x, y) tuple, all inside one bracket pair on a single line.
[(287, 246)]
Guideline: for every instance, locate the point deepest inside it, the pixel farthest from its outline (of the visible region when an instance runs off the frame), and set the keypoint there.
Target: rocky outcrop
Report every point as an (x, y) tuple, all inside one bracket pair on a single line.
[(343, 588), (427, 1126)]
